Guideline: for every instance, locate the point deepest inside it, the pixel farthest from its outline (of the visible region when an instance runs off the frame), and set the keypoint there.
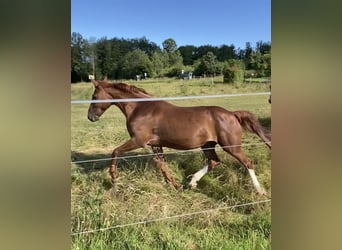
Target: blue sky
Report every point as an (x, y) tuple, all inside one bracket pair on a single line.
[(188, 22)]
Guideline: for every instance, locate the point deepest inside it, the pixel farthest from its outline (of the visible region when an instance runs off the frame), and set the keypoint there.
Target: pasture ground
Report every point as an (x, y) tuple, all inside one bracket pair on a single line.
[(144, 195)]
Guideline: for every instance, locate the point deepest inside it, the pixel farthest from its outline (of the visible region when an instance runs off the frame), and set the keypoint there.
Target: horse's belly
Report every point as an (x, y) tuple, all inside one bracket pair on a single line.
[(186, 139), (188, 131), (180, 146)]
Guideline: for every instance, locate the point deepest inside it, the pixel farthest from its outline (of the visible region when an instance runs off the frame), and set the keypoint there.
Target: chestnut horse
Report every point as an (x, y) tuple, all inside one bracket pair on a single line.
[(161, 124)]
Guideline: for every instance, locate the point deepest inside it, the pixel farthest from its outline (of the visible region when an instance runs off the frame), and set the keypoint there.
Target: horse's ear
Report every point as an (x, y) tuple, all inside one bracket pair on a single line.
[(96, 83)]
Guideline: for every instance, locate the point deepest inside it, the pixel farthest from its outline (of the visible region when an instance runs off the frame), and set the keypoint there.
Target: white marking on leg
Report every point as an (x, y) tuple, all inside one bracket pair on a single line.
[(256, 182), (197, 176)]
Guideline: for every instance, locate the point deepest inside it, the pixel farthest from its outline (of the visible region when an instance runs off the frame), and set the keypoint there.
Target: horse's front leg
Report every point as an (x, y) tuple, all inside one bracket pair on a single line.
[(161, 163), (127, 146)]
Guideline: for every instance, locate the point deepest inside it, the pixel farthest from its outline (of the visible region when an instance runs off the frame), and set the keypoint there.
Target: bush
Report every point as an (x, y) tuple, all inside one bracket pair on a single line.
[(173, 72), (234, 72)]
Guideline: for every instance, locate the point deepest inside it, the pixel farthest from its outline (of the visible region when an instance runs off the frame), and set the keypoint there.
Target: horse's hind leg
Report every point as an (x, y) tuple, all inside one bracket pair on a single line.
[(162, 166), (212, 160), (237, 152)]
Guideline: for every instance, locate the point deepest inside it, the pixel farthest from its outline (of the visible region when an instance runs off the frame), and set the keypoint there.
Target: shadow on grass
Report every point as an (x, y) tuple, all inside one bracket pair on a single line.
[(98, 161), (185, 164)]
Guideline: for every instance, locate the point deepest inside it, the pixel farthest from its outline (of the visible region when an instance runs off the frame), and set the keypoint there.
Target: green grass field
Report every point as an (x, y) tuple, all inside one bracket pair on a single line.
[(144, 195)]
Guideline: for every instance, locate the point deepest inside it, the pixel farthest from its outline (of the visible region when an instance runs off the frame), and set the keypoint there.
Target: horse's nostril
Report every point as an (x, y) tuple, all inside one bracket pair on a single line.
[(93, 118)]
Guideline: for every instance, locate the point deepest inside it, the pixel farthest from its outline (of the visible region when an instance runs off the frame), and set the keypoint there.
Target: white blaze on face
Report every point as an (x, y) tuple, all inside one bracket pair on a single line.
[(198, 175)]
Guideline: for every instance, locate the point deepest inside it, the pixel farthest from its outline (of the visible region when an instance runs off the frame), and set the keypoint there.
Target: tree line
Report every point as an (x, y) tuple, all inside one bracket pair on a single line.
[(119, 58)]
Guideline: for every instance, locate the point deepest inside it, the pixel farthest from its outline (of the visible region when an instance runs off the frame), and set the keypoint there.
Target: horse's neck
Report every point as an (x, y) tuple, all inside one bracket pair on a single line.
[(127, 108)]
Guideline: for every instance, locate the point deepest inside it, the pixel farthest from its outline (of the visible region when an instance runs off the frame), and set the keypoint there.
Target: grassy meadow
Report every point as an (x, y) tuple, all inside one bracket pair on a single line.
[(143, 193)]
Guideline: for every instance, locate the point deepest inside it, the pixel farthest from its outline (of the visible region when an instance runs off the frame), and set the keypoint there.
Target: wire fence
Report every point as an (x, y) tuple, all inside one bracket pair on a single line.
[(163, 99), (154, 154), (165, 153), (152, 99), (169, 217)]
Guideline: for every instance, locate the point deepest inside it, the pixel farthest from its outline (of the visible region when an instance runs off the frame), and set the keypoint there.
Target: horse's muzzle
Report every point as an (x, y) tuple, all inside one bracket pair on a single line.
[(93, 118)]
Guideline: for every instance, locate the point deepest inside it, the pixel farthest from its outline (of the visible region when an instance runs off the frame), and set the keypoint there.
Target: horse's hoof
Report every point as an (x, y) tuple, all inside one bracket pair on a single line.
[(192, 185), (262, 192), (114, 190), (180, 188), (177, 186)]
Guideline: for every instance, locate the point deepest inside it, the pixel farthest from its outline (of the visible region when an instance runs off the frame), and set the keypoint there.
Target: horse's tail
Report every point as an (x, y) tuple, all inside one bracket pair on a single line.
[(250, 123)]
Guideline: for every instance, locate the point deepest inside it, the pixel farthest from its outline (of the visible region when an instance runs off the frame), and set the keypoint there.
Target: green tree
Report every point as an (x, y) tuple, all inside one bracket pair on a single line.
[(143, 44), (175, 60), (233, 71), (91, 51), (80, 58), (260, 63), (226, 53), (108, 56), (264, 61), (247, 55), (188, 54), (263, 48), (135, 63), (175, 64), (105, 61), (169, 45), (160, 61), (204, 49), (267, 64), (208, 65)]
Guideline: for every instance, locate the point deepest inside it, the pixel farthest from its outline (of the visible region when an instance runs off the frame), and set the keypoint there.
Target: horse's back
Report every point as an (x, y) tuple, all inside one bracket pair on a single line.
[(165, 124), (165, 113)]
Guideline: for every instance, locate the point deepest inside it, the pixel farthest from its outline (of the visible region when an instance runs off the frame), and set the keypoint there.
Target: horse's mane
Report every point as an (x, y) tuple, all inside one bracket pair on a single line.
[(130, 88), (126, 88)]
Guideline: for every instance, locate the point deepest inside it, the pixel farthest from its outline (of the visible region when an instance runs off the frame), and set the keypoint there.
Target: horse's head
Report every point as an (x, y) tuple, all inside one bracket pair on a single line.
[(97, 109)]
